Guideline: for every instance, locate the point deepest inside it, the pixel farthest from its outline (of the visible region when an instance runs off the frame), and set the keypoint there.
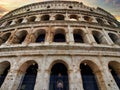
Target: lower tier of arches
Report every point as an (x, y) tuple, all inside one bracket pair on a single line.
[(60, 73)]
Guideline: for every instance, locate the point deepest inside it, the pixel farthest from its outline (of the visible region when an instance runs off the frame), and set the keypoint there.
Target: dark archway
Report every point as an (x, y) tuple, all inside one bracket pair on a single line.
[(114, 68), (59, 77), (88, 77), (5, 67), (41, 38), (29, 78), (59, 38)]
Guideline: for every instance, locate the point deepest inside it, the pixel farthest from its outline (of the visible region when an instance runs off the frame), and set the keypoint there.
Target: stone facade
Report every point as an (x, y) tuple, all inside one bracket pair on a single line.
[(98, 46)]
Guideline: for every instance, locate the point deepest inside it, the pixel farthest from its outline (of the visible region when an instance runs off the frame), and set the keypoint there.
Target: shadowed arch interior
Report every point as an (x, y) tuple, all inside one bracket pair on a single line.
[(114, 68), (40, 35), (59, 36), (78, 36), (5, 37), (59, 17), (59, 77), (29, 76), (91, 76), (114, 38), (20, 37), (4, 69)]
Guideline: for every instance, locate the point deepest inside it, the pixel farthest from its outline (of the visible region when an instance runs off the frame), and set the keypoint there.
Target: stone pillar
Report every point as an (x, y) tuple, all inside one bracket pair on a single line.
[(100, 78), (67, 36), (13, 22), (109, 41), (70, 32), (107, 76), (39, 80), (81, 18), (66, 17), (38, 18), (24, 20), (12, 81), (11, 38), (90, 37), (52, 17), (94, 19), (75, 80), (3, 24)]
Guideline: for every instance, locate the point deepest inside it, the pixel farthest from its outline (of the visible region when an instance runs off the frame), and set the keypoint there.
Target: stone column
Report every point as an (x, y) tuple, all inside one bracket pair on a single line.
[(67, 36), (11, 38), (52, 17), (75, 80), (90, 37), (81, 18), (109, 41), (71, 37), (13, 22), (24, 20), (13, 79), (38, 18), (107, 76), (94, 19)]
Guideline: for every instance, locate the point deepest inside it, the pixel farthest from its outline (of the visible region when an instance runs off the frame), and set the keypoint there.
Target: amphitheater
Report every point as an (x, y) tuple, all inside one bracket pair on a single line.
[(59, 45)]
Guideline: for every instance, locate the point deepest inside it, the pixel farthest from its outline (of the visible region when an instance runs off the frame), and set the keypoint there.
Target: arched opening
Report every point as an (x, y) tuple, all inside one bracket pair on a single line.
[(88, 77), (32, 19), (100, 21), (114, 68), (5, 37), (59, 77), (78, 36), (40, 36), (45, 18), (4, 69), (73, 17), (59, 17), (29, 76), (19, 21), (59, 36), (20, 37), (8, 23), (87, 18), (99, 37), (114, 38)]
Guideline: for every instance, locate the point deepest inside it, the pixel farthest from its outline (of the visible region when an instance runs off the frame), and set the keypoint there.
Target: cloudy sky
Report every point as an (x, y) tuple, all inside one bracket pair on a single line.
[(112, 6)]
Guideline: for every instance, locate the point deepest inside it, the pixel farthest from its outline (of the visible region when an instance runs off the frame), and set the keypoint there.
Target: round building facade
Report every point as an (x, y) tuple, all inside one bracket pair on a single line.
[(59, 45)]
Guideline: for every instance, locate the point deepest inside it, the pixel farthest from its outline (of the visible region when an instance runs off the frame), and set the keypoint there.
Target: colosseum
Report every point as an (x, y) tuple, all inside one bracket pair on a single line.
[(59, 45)]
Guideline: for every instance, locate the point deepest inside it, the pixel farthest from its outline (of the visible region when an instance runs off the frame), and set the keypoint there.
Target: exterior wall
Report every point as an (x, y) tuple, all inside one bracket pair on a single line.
[(21, 53), (73, 64)]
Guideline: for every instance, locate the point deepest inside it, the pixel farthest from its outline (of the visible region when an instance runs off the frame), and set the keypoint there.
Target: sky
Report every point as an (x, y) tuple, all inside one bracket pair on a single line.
[(112, 6)]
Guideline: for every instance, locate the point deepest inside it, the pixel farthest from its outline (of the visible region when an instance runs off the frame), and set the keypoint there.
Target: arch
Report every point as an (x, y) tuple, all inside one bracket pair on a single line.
[(114, 38), (100, 21), (59, 77), (99, 37), (91, 76), (73, 17), (32, 19), (87, 18), (59, 17), (28, 73), (5, 37), (19, 20), (78, 36), (4, 69), (59, 35), (45, 18), (20, 37), (8, 23), (114, 68), (40, 35)]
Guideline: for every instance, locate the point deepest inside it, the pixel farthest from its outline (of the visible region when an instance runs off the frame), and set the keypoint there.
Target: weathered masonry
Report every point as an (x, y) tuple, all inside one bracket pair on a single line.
[(59, 45)]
